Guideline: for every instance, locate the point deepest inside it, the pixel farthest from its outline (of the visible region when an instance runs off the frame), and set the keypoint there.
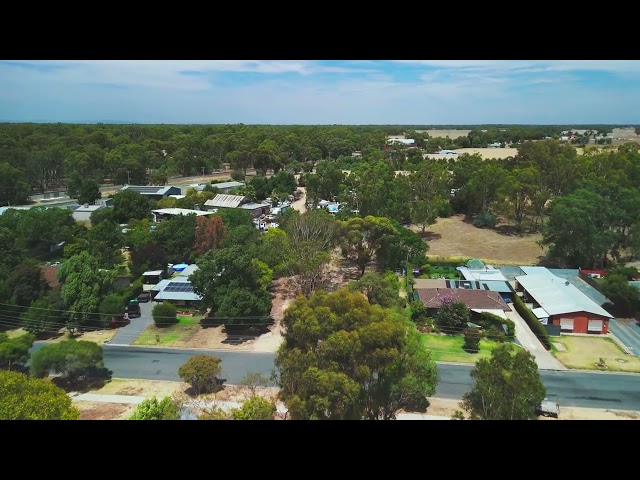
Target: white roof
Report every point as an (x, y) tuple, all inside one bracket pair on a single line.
[(188, 271), (228, 184), (557, 295), (225, 201), (181, 211), (499, 313), (540, 313), (88, 208), (537, 271), (487, 273), (152, 273)]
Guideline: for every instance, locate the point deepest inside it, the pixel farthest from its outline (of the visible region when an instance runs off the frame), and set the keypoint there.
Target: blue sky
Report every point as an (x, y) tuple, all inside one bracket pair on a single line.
[(321, 91)]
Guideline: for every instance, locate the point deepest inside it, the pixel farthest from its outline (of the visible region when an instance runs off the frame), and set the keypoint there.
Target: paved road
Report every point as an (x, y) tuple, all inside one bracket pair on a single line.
[(570, 388), (129, 333), (626, 334), (529, 341)]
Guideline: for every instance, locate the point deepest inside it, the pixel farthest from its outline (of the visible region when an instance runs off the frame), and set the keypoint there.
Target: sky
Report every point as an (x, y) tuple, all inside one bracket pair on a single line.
[(409, 92)]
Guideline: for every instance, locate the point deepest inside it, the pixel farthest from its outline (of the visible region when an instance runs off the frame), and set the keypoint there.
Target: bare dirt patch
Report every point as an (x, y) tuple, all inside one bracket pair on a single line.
[(446, 408), (142, 388), (453, 237), (488, 153), (104, 411)]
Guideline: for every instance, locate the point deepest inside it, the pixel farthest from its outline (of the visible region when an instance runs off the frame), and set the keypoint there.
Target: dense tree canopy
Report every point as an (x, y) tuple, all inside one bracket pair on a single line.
[(507, 386), (24, 398), (343, 358)]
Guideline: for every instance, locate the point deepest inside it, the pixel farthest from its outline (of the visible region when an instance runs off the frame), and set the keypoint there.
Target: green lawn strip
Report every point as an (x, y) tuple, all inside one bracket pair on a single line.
[(449, 348), (584, 352), (168, 335)]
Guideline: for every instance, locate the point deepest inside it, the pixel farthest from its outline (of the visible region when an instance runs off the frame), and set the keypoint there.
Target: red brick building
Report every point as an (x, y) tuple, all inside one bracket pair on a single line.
[(555, 301)]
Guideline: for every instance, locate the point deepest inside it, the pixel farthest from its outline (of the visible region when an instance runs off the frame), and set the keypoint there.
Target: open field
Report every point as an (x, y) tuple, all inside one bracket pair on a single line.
[(583, 352), (453, 237), (488, 153), (104, 411), (452, 134), (449, 348), (142, 388), (97, 336)]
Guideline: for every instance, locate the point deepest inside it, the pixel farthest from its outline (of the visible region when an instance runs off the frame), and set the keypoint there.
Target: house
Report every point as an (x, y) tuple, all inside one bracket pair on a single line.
[(226, 187), (105, 202), (83, 212), (409, 142), (178, 291), (153, 192), (166, 213), (153, 277), (222, 200), (476, 270), (556, 301), (476, 300)]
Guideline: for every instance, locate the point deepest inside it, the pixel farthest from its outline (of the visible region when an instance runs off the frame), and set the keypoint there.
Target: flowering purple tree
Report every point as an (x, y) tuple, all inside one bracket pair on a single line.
[(453, 316)]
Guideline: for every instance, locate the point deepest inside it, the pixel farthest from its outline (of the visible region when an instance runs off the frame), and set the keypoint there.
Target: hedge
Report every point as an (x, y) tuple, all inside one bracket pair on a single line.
[(490, 321), (534, 324), (447, 261)]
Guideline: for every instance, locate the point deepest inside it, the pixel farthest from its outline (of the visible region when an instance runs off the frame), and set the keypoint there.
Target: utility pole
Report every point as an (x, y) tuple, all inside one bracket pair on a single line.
[(128, 177)]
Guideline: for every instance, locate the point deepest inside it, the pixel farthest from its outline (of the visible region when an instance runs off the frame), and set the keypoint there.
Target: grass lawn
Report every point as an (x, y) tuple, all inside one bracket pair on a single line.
[(585, 352), (169, 335), (449, 348), (16, 332), (439, 272)]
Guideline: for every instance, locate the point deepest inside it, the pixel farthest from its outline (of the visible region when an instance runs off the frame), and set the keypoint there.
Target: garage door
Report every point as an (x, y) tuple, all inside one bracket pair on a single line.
[(566, 324), (595, 326)]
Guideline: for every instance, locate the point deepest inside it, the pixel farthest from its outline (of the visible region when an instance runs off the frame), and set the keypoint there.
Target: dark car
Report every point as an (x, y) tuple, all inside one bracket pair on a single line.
[(133, 309), (144, 297)]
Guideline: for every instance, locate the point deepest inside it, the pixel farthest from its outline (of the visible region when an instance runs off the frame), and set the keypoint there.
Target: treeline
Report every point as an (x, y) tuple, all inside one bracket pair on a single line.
[(587, 206), (35, 158)]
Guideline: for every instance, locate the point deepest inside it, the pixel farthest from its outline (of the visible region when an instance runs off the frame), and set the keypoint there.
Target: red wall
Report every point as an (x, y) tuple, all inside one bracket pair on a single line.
[(581, 321)]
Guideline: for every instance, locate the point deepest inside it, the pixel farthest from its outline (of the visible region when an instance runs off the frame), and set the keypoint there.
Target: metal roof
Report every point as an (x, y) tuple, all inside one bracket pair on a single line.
[(557, 295), (188, 271), (178, 291), (225, 201), (479, 299), (228, 184), (540, 313), (89, 208), (152, 273), (635, 283), (149, 189), (253, 206), (536, 271), (486, 274), (181, 211)]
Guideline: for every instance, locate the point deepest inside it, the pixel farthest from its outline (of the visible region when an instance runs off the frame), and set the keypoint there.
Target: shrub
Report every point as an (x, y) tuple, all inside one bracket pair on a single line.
[(165, 314), (445, 211), (493, 326), (255, 408), (485, 220), (472, 340), (152, 409), (201, 372), (534, 324)]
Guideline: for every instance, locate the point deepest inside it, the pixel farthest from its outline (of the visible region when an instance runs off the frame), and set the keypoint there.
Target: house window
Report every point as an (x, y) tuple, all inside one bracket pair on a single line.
[(595, 326), (566, 324)]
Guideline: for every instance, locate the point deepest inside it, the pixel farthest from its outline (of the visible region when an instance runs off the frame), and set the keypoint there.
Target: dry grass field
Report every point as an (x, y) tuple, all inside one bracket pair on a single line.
[(584, 352), (452, 134), (453, 237)]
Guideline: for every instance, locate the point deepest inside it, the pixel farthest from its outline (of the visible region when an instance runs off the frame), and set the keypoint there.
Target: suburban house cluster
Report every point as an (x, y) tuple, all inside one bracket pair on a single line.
[(176, 289), (558, 298)]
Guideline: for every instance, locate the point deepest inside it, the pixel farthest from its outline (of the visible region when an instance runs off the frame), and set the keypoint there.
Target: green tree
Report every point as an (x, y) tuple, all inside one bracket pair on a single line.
[(15, 350), (148, 256), (507, 386), (624, 296), (24, 398), (152, 409), (14, 189), (129, 205), (164, 314), (255, 408), (177, 237), (74, 359), (379, 289), (573, 241), (453, 316), (343, 358), (25, 284), (201, 372), (402, 248), (101, 215), (84, 284), (105, 241), (111, 306), (429, 189), (44, 315), (361, 238)]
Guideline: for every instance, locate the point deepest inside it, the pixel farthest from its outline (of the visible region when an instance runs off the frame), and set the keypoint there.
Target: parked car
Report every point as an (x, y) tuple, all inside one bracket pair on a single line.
[(144, 297), (548, 408), (133, 309)]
